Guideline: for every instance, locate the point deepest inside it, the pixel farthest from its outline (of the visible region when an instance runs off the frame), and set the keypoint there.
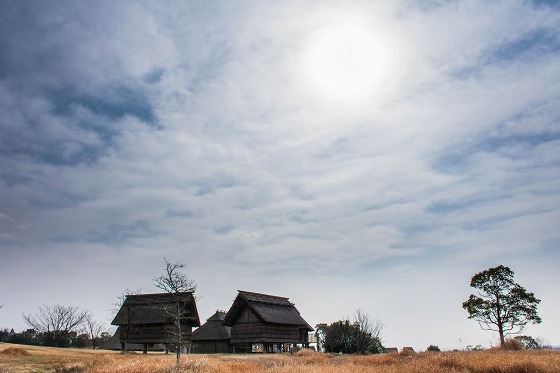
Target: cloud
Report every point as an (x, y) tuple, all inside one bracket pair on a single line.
[(136, 131)]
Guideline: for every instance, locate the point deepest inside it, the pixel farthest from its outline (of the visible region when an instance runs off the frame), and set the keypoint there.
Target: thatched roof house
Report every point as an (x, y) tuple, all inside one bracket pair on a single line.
[(265, 323), (148, 319), (213, 336)]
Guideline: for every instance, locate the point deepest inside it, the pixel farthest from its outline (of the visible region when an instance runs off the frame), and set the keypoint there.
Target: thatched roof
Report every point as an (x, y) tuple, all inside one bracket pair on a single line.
[(147, 309), (213, 329), (268, 308)]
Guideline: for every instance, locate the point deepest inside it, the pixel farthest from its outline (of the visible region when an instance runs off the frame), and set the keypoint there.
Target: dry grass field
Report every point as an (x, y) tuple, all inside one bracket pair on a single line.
[(18, 358)]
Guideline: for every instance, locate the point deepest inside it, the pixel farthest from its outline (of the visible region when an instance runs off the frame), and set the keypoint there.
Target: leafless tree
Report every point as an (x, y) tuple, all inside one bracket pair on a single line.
[(121, 298), (94, 328), (174, 282), (370, 330), (57, 321), (374, 326)]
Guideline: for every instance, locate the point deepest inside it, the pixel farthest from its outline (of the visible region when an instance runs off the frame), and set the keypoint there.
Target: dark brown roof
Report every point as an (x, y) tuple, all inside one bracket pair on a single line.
[(213, 329), (151, 309), (268, 308), (217, 316)]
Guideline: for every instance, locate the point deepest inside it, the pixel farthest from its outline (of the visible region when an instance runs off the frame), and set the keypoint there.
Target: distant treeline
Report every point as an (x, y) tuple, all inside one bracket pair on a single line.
[(71, 339)]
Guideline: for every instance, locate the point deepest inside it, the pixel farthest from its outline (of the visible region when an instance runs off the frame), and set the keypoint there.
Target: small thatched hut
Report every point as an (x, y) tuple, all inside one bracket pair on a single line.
[(148, 319), (265, 323), (213, 337)]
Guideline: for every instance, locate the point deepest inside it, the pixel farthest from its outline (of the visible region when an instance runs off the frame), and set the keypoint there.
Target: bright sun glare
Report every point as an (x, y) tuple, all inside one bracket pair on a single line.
[(349, 62)]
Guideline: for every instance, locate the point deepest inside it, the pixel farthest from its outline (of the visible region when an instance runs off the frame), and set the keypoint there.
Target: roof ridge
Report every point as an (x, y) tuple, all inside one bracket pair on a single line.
[(263, 294), (219, 315), (165, 293)]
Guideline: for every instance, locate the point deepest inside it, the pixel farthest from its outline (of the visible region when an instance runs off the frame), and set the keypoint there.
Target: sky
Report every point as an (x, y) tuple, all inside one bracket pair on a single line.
[(369, 155)]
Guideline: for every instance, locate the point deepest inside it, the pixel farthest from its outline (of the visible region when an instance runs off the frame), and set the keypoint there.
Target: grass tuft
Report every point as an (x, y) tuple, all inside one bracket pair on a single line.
[(14, 351)]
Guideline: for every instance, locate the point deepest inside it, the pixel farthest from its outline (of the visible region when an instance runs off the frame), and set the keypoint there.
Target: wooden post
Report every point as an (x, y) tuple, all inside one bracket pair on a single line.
[(145, 348)]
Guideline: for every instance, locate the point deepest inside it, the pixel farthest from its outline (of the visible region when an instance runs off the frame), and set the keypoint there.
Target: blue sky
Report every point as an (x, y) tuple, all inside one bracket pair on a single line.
[(344, 154)]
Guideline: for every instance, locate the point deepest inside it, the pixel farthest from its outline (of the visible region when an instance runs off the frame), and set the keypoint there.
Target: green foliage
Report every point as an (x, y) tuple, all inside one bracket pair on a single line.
[(433, 348), (503, 305), (347, 337), (528, 342), (27, 337), (31, 337), (474, 348)]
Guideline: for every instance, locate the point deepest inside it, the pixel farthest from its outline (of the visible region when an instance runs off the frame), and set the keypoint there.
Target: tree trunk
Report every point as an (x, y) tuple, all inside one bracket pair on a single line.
[(499, 320), (178, 331), (501, 331)]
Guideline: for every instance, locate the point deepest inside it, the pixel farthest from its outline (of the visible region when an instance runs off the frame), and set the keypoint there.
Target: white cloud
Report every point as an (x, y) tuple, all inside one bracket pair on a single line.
[(185, 132)]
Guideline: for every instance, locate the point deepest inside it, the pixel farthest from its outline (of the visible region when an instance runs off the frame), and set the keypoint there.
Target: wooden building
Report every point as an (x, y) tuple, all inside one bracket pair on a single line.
[(114, 343), (265, 323), (213, 337), (148, 319)]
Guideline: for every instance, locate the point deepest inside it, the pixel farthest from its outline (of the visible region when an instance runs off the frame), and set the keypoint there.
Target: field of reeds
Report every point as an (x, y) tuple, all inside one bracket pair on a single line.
[(19, 358)]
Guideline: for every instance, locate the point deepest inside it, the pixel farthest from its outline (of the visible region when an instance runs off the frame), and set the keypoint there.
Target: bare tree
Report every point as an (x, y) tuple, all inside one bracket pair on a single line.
[(175, 283), (57, 321), (373, 326), (94, 328), (121, 298), (369, 336)]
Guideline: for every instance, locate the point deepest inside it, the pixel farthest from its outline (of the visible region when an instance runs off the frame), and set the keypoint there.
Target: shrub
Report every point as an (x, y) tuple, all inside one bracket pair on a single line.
[(433, 348), (475, 348), (407, 352), (512, 345), (528, 342)]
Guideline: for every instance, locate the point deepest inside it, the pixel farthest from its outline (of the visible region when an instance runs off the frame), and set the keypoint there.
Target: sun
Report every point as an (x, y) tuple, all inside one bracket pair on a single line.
[(344, 61), (349, 61)]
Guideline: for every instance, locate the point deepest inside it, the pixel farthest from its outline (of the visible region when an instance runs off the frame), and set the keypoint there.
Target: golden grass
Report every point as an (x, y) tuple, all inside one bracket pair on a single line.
[(42, 359), (14, 351)]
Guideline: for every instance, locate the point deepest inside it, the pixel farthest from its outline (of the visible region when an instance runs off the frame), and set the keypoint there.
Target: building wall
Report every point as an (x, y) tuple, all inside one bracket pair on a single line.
[(211, 347), (153, 333), (260, 333)]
